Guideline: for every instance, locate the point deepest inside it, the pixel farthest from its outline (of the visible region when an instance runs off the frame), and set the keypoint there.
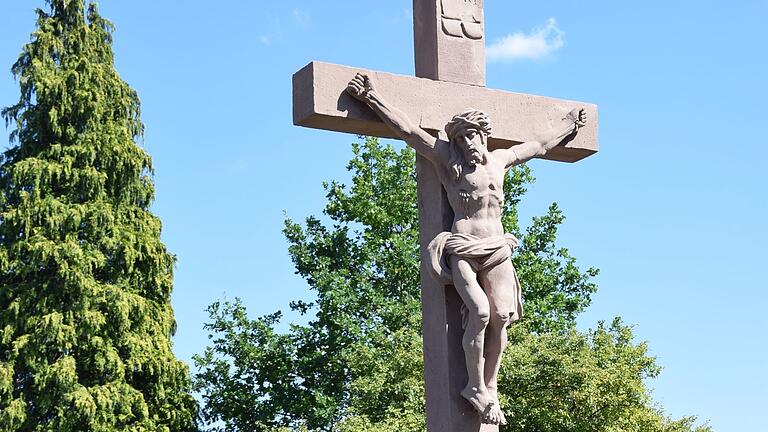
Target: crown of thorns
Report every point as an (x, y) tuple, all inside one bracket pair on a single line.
[(472, 118)]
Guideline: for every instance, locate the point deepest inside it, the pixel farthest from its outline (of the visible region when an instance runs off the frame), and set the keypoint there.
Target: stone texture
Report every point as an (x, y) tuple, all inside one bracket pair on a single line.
[(449, 40), (320, 101), (445, 372)]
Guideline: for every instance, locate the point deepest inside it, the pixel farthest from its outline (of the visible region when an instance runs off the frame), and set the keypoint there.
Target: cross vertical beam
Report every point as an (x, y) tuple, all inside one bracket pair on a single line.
[(449, 40), (448, 46)]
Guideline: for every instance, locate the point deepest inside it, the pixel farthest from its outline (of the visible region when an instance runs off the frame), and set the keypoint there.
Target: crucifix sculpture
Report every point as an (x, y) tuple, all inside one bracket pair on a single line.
[(470, 290)]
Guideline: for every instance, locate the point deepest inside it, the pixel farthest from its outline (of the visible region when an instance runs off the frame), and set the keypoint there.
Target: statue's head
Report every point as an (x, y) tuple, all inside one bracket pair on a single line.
[(468, 133)]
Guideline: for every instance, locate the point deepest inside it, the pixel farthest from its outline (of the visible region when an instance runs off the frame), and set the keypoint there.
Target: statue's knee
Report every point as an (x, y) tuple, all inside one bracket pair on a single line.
[(503, 316), (482, 315)]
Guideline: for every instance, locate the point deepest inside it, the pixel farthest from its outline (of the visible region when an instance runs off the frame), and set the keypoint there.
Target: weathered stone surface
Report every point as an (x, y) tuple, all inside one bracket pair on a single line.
[(445, 372), (449, 40), (320, 101)]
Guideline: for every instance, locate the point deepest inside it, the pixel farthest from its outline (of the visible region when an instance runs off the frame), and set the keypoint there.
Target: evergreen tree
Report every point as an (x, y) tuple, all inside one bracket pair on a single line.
[(85, 282)]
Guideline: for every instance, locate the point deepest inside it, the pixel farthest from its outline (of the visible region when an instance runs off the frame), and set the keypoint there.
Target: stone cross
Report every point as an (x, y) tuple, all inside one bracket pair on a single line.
[(450, 77)]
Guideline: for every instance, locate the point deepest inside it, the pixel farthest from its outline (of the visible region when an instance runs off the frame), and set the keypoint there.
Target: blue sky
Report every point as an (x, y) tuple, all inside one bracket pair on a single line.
[(672, 209)]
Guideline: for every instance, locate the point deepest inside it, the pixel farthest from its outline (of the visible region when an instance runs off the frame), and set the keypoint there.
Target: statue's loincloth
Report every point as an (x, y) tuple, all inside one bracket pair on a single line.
[(480, 253)]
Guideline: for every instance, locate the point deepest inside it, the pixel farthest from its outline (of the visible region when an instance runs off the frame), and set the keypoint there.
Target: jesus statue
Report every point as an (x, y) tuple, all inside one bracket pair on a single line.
[(474, 255)]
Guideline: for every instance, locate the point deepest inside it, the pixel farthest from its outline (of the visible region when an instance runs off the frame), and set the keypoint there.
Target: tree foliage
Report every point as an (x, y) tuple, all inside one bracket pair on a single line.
[(582, 382), (357, 365), (85, 282)]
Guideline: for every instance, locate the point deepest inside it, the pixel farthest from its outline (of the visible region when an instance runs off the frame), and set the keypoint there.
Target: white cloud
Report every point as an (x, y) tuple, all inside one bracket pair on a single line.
[(301, 17), (265, 40), (539, 43)]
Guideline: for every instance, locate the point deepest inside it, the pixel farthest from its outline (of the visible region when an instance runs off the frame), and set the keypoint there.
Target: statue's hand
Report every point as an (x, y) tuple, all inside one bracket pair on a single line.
[(361, 87), (578, 116)]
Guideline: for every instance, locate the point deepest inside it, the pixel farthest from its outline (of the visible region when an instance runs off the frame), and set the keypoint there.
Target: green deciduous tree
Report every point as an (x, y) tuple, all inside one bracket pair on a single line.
[(85, 282), (357, 365), (582, 382)]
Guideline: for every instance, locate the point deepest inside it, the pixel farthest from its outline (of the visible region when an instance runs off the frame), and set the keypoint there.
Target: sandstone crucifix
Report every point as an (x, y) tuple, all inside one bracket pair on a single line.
[(465, 254)]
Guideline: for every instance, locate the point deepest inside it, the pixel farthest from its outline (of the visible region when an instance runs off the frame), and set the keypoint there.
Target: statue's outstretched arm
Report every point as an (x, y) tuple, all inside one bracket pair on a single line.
[(361, 87), (528, 150)]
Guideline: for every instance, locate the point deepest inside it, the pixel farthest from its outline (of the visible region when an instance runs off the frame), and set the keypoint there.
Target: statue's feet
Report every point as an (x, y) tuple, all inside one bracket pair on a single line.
[(495, 396), (485, 405), (502, 417)]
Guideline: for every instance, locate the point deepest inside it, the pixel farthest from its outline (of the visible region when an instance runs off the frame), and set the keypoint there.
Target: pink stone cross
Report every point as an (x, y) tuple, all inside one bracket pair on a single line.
[(450, 77)]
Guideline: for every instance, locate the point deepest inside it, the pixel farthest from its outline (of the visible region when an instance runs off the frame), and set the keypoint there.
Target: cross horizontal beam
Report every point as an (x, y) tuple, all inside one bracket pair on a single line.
[(321, 102)]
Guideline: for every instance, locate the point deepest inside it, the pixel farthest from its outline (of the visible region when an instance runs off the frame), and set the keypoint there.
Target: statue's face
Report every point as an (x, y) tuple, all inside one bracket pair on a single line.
[(473, 143)]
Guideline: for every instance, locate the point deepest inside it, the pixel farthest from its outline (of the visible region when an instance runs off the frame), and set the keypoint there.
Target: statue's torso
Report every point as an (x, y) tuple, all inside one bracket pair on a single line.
[(477, 198)]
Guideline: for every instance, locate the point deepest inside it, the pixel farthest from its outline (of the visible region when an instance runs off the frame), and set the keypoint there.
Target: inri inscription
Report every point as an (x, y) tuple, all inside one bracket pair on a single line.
[(463, 18)]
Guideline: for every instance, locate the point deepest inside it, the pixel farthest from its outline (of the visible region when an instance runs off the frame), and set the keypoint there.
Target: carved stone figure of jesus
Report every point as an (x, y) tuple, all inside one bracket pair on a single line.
[(474, 255)]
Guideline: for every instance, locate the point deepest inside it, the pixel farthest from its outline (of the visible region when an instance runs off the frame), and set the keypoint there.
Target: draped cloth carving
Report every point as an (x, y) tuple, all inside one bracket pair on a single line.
[(480, 253)]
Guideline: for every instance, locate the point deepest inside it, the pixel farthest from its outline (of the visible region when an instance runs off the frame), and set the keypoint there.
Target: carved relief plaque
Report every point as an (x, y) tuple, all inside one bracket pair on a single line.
[(463, 18)]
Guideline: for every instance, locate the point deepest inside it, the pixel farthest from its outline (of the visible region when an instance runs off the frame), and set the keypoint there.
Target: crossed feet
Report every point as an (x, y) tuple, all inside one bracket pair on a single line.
[(486, 404)]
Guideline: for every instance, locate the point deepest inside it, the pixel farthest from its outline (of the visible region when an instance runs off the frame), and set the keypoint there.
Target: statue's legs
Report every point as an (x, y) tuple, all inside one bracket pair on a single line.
[(478, 317), (500, 284)]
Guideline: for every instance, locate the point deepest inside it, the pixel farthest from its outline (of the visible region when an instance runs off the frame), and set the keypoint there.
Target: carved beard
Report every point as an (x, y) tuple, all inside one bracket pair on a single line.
[(474, 158), (461, 156)]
